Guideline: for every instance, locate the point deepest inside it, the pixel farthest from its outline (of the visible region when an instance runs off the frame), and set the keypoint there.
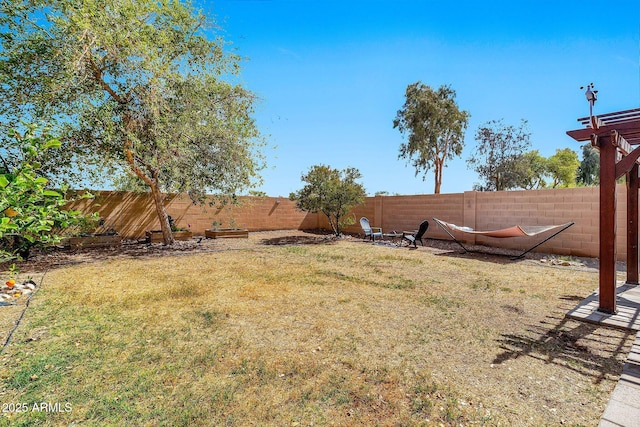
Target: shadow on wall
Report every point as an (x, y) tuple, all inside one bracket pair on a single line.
[(131, 214), (127, 213)]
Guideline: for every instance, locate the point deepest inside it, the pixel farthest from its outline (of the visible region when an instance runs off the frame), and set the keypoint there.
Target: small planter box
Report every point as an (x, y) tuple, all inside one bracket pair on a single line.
[(226, 233), (94, 241), (155, 236)]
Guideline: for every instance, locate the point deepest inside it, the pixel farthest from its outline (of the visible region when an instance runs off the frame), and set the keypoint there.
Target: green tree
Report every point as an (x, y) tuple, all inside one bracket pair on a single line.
[(435, 127), (531, 170), (385, 193), (332, 192), (498, 155), (31, 213), (589, 170), (563, 167), (140, 89)]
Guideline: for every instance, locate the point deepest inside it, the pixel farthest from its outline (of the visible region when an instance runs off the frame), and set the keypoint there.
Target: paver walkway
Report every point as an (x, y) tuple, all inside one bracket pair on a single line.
[(623, 409)]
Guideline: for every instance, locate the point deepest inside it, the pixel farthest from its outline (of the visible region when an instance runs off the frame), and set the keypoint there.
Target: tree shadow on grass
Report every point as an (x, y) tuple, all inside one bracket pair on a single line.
[(55, 257), (496, 255), (589, 349)]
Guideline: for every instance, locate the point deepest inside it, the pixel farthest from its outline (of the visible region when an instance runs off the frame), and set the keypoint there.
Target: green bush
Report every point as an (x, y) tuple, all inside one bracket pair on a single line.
[(30, 211)]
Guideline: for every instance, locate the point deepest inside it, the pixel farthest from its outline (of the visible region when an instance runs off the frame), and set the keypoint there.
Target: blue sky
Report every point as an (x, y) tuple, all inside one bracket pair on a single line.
[(332, 74)]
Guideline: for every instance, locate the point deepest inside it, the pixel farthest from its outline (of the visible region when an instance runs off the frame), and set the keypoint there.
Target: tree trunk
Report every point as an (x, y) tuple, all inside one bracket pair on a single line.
[(334, 226), (158, 200), (438, 176), (158, 197), (337, 229)]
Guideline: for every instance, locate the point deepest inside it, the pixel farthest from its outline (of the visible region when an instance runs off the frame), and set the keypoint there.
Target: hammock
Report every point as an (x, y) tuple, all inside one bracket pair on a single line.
[(515, 231)]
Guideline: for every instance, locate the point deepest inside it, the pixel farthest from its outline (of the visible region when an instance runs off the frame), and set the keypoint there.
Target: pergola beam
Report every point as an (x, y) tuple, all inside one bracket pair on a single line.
[(617, 137), (631, 154), (630, 130), (626, 155), (624, 115)]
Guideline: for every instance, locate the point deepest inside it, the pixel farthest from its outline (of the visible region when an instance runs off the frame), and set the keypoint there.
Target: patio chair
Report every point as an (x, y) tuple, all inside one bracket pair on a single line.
[(369, 231), (417, 236)]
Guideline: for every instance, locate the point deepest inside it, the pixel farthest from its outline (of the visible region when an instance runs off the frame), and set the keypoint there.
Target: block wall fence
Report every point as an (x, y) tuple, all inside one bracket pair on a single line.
[(131, 214)]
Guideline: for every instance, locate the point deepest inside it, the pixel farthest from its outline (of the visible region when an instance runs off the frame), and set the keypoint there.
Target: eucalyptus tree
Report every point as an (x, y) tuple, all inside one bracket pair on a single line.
[(497, 156), (137, 86), (435, 127), (531, 169), (589, 170)]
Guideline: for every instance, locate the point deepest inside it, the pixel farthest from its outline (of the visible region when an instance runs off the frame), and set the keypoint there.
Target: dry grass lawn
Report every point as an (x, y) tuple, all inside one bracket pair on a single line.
[(342, 333)]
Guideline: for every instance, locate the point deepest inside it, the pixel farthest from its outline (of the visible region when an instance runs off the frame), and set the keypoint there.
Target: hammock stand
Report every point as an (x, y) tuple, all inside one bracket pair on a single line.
[(515, 231)]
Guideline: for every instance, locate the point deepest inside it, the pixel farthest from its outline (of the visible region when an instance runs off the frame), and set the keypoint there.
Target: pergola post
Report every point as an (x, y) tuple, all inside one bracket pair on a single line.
[(607, 289), (633, 182), (617, 137)]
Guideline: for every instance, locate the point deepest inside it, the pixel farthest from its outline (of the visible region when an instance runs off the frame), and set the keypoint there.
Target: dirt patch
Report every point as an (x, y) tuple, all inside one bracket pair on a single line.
[(56, 257)]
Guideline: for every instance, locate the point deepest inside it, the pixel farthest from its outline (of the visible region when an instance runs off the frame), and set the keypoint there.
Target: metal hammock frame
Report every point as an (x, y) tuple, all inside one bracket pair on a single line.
[(505, 233)]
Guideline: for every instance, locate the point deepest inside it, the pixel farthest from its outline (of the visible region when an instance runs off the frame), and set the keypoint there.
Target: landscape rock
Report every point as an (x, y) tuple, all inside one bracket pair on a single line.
[(17, 291)]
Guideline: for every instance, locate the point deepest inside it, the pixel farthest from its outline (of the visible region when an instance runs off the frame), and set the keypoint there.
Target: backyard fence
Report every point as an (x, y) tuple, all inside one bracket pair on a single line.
[(131, 214)]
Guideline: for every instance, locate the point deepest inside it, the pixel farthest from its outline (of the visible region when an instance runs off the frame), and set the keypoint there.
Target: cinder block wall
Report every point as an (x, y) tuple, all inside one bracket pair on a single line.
[(546, 207), (495, 210), (399, 213), (502, 209), (132, 214)]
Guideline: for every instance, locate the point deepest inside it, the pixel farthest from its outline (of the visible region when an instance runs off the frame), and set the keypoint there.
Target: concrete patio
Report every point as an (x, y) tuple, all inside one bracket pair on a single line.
[(623, 408)]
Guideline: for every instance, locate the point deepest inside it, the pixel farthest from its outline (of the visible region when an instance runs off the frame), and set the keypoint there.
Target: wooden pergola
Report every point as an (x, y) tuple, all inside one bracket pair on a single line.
[(617, 137)]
